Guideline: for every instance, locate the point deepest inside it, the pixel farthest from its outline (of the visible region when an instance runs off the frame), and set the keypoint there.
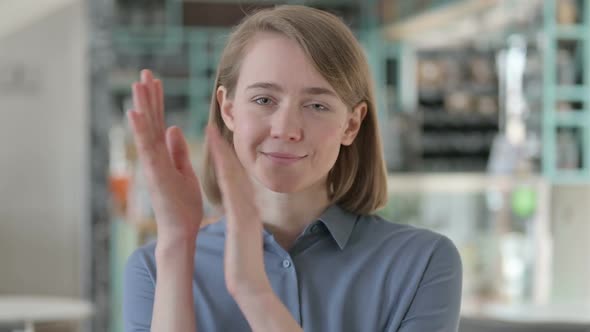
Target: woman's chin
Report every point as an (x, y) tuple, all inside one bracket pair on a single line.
[(282, 186)]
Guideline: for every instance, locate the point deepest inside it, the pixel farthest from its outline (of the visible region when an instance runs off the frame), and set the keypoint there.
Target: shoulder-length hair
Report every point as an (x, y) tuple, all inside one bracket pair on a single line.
[(358, 180)]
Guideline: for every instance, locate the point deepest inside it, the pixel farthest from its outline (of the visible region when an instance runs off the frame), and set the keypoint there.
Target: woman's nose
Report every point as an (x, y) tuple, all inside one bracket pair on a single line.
[(287, 124)]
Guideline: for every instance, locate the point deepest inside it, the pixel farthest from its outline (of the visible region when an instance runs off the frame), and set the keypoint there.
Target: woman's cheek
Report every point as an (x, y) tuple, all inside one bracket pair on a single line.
[(327, 132), (247, 122)]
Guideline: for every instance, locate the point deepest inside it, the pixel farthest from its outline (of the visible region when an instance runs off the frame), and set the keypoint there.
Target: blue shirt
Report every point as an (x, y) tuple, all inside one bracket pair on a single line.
[(345, 272)]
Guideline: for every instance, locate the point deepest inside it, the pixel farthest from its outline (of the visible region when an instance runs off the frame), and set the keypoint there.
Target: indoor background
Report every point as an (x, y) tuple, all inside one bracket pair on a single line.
[(484, 109)]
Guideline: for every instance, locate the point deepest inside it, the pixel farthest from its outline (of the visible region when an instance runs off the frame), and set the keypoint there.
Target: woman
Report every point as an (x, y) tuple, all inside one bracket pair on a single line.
[(294, 158)]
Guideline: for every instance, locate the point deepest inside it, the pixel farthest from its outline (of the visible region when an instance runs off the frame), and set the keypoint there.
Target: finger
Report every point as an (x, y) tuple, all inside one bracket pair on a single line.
[(233, 181), (147, 78), (138, 128), (222, 154), (150, 97), (151, 154), (180, 155), (178, 149), (160, 103), (140, 103)]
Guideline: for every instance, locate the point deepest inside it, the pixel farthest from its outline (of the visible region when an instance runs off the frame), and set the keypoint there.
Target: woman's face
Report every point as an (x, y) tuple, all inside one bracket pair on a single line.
[(288, 123)]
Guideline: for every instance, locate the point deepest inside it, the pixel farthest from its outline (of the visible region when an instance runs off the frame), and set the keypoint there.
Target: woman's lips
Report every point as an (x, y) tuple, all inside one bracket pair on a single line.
[(283, 158)]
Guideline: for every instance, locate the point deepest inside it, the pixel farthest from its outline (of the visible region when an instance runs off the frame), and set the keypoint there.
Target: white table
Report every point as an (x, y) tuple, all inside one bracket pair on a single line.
[(567, 313), (30, 309)]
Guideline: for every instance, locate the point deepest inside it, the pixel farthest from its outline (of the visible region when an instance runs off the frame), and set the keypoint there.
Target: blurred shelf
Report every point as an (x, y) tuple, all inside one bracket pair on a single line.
[(120, 82), (453, 182), (571, 32), (571, 93), (174, 87), (435, 17), (570, 177), (442, 118), (572, 118), (474, 88), (566, 35)]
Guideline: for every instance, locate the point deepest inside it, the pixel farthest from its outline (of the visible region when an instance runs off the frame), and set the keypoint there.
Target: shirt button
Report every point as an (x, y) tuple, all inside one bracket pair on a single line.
[(286, 264), (315, 229)]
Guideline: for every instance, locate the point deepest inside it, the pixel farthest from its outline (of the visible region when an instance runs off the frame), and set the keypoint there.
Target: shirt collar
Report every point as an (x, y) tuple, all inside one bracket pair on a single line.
[(340, 223)]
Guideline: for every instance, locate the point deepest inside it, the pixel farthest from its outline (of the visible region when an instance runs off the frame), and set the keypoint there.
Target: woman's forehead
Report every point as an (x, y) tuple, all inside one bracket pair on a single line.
[(276, 62)]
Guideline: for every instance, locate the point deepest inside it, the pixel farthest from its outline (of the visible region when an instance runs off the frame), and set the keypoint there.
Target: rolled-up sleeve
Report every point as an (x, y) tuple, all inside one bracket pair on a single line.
[(138, 294), (437, 303)]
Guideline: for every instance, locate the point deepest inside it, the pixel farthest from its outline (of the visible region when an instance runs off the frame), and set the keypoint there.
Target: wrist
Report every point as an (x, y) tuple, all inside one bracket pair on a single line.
[(266, 312), (174, 247), (261, 296)]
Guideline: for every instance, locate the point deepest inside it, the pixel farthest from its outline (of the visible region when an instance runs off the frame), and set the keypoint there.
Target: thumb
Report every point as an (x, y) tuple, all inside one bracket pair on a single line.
[(178, 150)]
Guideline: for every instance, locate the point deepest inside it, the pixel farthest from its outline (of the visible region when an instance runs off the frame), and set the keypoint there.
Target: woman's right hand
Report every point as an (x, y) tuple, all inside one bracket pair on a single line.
[(174, 188)]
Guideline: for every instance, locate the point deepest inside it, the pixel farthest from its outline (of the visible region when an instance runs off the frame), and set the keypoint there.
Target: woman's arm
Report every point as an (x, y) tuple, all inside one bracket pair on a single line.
[(177, 203), (245, 276), (174, 304), (176, 199), (266, 313), (172, 308)]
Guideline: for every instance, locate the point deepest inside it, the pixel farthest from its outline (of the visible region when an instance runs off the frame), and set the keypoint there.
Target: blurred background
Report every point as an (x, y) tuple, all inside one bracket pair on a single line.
[(484, 108)]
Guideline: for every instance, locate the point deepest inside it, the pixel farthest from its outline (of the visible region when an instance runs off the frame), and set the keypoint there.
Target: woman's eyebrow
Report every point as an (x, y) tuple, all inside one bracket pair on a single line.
[(320, 91), (265, 85), (278, 88)]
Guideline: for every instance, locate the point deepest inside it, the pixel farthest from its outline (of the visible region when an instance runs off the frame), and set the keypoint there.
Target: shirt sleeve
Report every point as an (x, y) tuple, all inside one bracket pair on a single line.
[(138, 294), (437, 302)]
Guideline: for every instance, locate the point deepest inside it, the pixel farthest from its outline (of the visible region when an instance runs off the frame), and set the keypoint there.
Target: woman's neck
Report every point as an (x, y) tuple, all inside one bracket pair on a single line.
[(287, 215)]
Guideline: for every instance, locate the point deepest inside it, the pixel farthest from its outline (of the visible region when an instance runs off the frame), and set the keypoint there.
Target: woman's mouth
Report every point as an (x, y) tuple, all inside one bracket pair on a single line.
[(283, 158)]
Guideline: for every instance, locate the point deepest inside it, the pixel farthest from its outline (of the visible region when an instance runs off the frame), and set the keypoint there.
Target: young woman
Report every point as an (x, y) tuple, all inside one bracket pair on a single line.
[(294, 158)]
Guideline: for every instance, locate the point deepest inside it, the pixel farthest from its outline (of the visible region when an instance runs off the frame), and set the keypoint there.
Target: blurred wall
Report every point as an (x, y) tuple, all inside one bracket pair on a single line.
[(571, 236), (25, 12), (43, 162)]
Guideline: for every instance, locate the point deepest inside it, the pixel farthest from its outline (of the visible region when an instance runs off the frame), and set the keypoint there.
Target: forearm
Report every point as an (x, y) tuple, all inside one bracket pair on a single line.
[(173, 303), (266, 313)]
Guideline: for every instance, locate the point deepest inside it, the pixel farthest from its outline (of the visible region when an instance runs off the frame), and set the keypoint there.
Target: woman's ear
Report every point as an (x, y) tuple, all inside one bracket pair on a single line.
[(225, 106), (353, 123)]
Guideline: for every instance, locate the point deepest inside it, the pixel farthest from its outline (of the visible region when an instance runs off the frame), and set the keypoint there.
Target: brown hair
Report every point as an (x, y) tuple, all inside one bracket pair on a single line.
[(358, 180)]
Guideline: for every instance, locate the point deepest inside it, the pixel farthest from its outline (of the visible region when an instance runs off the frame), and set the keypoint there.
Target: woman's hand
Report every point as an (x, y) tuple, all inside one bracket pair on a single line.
[(164, 155), (244, 261), (245, 276)]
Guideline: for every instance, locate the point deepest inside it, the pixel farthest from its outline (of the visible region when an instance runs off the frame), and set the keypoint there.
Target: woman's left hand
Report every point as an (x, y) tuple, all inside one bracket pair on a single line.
[(245, 275)]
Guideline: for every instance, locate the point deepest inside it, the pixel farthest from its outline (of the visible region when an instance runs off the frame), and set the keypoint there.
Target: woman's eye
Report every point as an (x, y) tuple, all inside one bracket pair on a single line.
[(319, 107), (262, 101)]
